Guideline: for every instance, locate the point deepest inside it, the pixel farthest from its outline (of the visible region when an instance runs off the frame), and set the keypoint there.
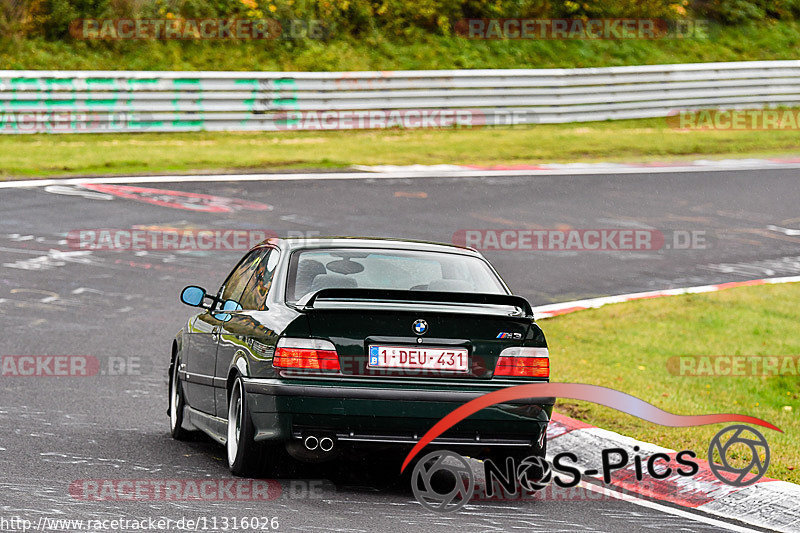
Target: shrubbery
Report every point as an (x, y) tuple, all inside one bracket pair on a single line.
[(51, 18)]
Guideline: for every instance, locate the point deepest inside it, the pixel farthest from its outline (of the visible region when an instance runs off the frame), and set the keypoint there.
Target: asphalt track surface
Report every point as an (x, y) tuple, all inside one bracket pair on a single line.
[(125, 304)]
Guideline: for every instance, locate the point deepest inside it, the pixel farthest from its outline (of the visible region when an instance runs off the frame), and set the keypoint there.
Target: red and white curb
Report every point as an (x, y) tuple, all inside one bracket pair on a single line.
[(374, 172), (551, 310), (768, 503), (545, 169)]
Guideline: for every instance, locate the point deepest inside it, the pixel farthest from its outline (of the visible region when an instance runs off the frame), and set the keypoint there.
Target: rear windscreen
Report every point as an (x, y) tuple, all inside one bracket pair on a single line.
[(313, 270)]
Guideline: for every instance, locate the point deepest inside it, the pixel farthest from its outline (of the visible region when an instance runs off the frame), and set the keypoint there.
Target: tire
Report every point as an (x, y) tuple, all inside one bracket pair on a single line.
[(176, 404), (245, 457)]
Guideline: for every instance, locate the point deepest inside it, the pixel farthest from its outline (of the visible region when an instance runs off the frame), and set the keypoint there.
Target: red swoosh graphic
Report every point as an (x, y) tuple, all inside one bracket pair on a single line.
[(578, 391)]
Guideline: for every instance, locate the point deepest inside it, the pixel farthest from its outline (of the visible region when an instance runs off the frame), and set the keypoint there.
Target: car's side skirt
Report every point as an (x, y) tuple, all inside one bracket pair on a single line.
[(214, 426)]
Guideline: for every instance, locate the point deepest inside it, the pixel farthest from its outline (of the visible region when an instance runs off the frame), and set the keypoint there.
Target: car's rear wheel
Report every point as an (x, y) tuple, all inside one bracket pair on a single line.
[(176, 405), (244, 454)]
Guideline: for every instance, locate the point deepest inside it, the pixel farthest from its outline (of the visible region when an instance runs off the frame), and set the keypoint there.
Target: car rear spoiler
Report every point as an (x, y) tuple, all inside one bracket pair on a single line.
[(419, 297)]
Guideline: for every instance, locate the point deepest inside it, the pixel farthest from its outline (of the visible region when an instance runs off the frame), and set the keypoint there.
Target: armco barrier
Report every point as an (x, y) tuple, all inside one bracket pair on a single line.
[(127, 101)]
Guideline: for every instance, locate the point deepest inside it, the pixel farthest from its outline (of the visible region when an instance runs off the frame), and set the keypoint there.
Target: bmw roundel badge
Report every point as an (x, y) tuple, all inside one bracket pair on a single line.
[(420, 327)]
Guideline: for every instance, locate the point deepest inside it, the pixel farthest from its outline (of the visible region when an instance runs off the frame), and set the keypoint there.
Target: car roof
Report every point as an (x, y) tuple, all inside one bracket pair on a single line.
[(296, 243)]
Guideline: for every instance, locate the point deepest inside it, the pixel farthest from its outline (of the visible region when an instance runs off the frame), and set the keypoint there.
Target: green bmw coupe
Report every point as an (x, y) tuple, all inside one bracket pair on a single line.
[(321, 347)]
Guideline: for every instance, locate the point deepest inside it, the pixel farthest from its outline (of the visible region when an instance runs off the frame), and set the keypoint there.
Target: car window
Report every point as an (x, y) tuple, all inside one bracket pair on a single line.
[(314, 270), (240, 276), (257, 288)]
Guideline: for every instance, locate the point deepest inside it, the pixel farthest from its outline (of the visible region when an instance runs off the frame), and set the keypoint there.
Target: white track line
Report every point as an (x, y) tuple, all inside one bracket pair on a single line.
[(553, 310), (403, 174), (665, 508)]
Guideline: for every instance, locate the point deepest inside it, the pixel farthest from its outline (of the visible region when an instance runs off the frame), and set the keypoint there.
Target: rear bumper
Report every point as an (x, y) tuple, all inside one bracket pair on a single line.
[(389, 413)]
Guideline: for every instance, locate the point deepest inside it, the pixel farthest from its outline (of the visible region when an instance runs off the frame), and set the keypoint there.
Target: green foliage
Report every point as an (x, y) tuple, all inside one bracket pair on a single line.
[(743, 11), (392, 17), (376, 50), (354, 17), (384, 35)]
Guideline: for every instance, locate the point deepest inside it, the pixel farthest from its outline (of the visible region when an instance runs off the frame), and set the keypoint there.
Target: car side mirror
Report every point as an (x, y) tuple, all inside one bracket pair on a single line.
[(229, 305), (194, 296)]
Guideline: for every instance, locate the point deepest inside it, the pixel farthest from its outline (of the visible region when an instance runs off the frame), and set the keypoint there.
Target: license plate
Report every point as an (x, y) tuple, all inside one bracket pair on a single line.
[(441, 359)]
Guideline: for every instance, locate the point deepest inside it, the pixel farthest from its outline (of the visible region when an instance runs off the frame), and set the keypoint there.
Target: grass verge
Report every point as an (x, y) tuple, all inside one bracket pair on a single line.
[(627, 347), (25, 156)]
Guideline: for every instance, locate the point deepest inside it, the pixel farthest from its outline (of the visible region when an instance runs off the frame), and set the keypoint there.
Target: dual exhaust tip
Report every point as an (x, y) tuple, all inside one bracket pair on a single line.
[(312, 443)]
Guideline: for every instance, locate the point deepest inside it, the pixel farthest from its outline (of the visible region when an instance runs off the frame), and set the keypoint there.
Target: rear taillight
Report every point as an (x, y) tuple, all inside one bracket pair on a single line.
[(523, 362), (308, 354)]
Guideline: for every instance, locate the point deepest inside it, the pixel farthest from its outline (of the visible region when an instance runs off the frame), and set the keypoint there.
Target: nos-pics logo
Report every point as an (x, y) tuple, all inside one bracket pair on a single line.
[(443, 481)]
